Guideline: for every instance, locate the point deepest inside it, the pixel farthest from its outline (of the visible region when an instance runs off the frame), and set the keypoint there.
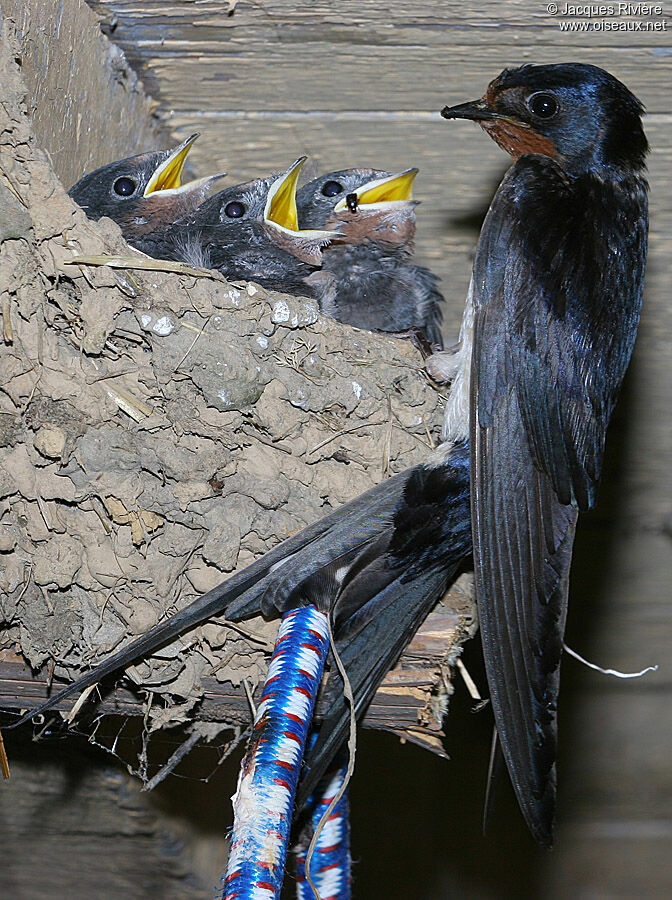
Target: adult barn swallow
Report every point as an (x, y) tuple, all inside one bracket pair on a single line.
[(553, 310), (367, 278), (143, 194)]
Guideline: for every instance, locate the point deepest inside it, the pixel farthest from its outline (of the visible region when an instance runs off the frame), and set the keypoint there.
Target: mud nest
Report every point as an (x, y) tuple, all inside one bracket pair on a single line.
[(159, 431)]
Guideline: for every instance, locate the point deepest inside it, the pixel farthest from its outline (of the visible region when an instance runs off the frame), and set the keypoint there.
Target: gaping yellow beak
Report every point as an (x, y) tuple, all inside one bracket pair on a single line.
[(280, 210), (281, 201), (391, 189), (168, 176)]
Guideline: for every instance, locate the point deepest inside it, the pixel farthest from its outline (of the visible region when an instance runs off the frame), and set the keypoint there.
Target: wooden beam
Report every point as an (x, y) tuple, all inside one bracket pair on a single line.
[(404, 704)]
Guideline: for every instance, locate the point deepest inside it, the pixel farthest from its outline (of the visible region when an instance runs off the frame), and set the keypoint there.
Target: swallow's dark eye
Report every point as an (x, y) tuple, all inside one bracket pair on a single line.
[(331, 188), (235, 210), (543, 106), (124, 186)]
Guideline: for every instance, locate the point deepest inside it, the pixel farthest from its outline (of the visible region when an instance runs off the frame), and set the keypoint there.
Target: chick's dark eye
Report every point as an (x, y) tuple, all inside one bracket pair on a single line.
[(544, 106), (124, 186), (235, 210), (331, 188)]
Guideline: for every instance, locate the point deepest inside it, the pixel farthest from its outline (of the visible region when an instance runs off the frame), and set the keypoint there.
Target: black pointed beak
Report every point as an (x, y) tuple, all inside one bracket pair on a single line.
[(476, 110)]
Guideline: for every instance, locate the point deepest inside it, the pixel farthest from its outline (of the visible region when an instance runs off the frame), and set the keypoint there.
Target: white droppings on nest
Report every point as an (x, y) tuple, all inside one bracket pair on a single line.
[(357, 388), (252, 290), (163, 326), (280, 312), (262, 341)]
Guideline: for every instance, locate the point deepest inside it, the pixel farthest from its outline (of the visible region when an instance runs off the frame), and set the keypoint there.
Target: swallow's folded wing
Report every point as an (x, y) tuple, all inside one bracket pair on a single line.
[(556, 312)]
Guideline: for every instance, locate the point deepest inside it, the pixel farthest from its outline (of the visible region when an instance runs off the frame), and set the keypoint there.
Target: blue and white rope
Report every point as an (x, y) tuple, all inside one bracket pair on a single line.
[(330, 863), (264, 800)]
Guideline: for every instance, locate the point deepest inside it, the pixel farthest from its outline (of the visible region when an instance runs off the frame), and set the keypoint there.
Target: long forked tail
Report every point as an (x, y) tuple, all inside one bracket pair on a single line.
[(367, 656), (203, 608), (322, 542)]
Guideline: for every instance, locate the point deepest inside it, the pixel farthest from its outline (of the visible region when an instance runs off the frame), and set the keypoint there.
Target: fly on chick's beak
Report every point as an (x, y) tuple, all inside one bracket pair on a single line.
[(168, 176), (381, 193), (282, 220), (380, 210)]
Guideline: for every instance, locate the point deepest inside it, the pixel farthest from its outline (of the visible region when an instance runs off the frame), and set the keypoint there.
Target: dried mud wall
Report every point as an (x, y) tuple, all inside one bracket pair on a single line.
[(159, 431), (86, 104)]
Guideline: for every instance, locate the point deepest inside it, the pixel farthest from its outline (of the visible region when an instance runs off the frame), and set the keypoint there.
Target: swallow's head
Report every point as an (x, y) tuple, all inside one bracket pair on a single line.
[(362, 204), (270, 205), (575, 113), (234, 205), (142, 192)]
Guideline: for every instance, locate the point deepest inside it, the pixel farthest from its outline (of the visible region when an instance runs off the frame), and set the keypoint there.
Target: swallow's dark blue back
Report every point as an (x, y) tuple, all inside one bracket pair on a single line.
[(557, 289), (559, 275)]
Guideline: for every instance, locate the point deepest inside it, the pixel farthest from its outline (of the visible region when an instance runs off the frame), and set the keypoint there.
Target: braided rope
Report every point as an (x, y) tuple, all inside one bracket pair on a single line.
[(330, 865), (264, 799)]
